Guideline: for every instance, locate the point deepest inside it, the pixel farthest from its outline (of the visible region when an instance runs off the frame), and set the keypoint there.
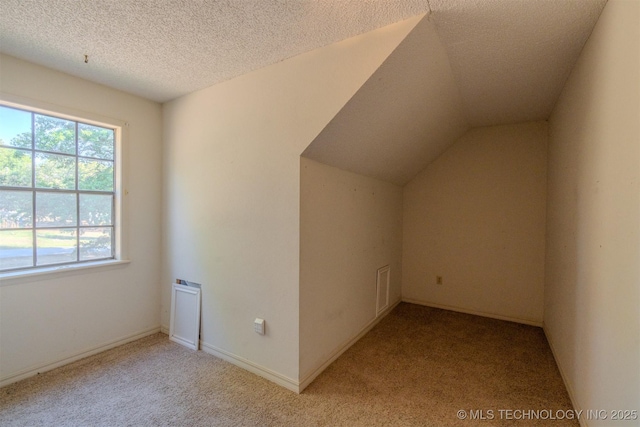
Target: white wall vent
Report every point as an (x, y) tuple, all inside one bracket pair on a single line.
[(382, 290), (185, 314)]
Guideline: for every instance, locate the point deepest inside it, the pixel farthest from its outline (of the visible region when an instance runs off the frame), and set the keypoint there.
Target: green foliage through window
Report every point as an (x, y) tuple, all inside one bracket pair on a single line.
[(57, 190)]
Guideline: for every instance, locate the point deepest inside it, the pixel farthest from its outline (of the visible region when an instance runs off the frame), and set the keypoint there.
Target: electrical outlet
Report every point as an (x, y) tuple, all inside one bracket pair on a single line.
[(438, 280)]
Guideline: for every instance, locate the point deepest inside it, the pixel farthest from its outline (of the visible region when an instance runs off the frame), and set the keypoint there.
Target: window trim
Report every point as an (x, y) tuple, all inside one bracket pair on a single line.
[(120, 225)]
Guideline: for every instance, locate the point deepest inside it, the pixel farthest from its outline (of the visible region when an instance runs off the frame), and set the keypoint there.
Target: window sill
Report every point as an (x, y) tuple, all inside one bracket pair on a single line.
[(15, 277)]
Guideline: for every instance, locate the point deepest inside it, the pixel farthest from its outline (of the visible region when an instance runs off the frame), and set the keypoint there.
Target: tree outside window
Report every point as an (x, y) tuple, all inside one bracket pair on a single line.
[(57, 190)]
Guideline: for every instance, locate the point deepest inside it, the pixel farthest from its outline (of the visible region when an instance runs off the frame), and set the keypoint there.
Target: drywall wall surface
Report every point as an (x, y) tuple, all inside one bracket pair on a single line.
[(476, 217), (232, 193), (592, 286), (51, 318), (350, 226)]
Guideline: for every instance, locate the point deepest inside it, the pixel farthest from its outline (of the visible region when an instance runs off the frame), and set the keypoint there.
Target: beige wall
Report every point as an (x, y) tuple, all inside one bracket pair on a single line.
[(592, 289), (476, 217), (350, 226), (232, 194), (49, 319)]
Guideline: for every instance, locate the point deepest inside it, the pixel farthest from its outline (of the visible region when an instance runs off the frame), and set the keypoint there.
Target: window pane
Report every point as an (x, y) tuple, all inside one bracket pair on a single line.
[(16, 249), (53, 134), (95, 175), (15, 127), (16, 209), (57, 190), (94, 141), (56, 210), (96, 209), (15, 167), (56, 245), (55, 171), (95, 243)]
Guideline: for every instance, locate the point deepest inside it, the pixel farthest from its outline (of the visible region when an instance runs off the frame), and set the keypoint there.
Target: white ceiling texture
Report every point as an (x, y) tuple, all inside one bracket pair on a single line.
[(467, 63), (161, 49)]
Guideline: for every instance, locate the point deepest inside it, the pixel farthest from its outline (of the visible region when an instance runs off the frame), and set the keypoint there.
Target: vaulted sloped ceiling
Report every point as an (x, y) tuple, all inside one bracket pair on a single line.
[(468, 63), (402, 118), (511, 58)]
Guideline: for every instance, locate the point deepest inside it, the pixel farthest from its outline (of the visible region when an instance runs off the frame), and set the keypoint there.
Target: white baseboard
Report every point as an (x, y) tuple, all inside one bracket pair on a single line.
[(282, 380), (252, 367), (164, 329), (29, 372), (307, 379), (474, 312), (574, 402)]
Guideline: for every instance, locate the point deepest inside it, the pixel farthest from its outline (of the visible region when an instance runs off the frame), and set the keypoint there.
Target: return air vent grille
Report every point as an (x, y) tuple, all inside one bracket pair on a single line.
[(382, 290)]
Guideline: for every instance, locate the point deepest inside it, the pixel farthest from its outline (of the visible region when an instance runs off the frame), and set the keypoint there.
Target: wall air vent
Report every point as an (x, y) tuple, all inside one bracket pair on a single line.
[(382, 290)]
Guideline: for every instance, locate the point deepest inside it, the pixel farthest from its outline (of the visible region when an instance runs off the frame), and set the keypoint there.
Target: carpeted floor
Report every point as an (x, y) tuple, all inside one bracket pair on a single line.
[(418, 367)]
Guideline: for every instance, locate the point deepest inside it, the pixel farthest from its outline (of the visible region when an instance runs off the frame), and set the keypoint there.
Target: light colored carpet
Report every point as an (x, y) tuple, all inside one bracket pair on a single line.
[(418, 367)]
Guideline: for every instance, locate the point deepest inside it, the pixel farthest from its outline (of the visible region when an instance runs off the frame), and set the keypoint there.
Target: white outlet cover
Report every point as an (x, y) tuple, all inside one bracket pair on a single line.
[(258, 326)]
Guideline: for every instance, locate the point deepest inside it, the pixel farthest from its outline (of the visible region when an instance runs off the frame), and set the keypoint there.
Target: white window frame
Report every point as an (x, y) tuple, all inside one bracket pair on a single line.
[(120, 212)]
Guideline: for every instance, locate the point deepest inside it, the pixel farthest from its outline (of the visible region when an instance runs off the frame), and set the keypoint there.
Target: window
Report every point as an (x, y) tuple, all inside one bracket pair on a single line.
[(57, 190)]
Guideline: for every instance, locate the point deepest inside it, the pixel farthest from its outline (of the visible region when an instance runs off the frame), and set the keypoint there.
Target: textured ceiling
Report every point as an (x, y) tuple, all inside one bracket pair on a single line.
[(469, 63), (511, 58), (161, 49)]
